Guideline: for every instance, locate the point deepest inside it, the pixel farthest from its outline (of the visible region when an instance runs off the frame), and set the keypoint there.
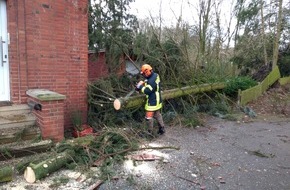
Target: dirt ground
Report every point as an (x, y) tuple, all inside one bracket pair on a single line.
[(274, 103), (248, 154)]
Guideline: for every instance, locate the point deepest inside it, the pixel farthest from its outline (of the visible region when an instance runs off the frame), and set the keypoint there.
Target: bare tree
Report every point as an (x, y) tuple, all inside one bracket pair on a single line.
[(278, 34), (204, 19), (218, 39), (230, 32), (263, 33)]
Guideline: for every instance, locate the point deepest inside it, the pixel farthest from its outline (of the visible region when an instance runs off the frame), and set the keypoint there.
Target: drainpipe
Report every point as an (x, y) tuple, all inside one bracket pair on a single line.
[(18, 55), (26, 59)]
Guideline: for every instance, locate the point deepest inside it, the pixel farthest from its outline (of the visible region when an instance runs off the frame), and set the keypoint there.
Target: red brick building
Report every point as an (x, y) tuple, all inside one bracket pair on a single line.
[(44, 45), (97, 67)]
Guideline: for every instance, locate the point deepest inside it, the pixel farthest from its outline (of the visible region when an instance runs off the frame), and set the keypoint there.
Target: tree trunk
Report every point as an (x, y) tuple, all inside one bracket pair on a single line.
[(134, 101), (263, 33), (6, 174), (37, 171), (278, 34), (204, 14)]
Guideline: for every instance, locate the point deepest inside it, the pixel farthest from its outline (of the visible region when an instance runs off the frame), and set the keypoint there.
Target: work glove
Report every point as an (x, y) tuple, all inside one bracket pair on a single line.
[(139, 85)]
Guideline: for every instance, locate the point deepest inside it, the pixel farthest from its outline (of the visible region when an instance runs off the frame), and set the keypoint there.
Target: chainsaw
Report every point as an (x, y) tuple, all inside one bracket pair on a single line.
[(133, 90)]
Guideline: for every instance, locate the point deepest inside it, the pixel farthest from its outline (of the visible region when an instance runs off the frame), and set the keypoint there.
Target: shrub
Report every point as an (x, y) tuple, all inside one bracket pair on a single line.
[(234, 84)]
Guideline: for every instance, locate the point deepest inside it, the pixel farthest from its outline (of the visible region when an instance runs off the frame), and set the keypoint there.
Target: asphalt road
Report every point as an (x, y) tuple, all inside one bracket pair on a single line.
[(221, 155)]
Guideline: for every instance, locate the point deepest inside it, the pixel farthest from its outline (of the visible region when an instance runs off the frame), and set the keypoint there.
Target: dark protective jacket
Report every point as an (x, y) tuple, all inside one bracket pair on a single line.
[(153, 93)]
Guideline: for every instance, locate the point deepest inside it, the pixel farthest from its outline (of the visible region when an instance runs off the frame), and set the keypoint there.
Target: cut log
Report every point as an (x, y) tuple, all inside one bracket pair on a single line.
[(134, 101), (22, 165), (6, 174), (37, 171)]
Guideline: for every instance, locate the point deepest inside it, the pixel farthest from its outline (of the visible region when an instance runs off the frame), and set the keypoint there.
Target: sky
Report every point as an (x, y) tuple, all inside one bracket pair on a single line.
[(172, 9)]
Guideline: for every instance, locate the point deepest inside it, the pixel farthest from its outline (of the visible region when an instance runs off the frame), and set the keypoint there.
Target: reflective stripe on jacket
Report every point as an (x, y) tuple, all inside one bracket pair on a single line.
[(153, 93)]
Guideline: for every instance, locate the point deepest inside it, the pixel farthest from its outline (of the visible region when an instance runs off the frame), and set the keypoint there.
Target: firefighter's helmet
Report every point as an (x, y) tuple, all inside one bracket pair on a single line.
[(146, 70)]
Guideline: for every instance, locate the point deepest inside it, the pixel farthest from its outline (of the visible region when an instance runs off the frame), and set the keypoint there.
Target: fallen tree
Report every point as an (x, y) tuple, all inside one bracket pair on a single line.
[(37, 171), (87, 150), (133, 101)]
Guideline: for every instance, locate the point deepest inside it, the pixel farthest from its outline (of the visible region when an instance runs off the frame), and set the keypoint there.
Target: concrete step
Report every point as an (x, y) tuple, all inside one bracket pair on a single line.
[(14, 121), (24, 148), (17, 120), (16, 116), (14, 109), (19, 135)]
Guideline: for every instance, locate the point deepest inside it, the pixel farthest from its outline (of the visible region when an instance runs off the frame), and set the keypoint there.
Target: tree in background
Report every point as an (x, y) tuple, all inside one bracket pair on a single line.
[(247, 47), (256, 44), (263, 33), (201, 45), (111, 28), (204, 18), (277, 35), (284, 43)]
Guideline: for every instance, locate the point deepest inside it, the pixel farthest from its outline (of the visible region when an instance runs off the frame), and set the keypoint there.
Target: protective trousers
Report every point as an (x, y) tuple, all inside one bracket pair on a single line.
[(149, 119)]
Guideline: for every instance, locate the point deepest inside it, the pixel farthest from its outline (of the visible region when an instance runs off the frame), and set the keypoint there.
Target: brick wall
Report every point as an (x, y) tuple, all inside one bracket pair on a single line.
[(98, 67), (50, 119), (48, 50)]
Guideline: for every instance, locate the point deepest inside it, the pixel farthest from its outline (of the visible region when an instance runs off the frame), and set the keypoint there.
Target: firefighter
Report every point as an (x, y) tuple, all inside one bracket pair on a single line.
[(151, 88)]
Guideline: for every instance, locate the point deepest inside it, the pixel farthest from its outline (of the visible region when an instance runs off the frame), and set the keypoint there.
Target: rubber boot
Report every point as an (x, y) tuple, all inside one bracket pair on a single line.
[(161, 130)]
